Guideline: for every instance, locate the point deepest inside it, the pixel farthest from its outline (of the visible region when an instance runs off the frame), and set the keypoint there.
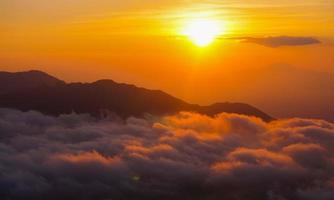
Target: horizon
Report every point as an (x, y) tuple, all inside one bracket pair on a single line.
[(268, 111)]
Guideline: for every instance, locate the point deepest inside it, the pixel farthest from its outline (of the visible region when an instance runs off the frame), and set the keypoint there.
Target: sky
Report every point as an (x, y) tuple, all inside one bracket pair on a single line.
[(142, 43)]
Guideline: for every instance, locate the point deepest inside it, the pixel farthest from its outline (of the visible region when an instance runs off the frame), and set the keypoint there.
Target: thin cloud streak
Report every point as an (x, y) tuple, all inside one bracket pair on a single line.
[(279, 41)]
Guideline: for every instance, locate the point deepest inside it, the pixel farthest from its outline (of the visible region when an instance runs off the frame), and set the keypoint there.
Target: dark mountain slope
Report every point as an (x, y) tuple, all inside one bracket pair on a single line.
[(44, 93), (14, 82)]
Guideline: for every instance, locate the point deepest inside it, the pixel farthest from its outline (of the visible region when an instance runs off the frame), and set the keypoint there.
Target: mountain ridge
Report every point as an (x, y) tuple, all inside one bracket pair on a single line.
[(50, 95)]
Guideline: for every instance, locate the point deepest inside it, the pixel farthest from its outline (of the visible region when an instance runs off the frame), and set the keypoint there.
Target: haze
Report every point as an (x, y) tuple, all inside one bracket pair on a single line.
[(140, 42)]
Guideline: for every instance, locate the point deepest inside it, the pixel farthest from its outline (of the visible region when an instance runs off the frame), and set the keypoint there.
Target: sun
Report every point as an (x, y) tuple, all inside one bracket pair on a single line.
[(203, 32)]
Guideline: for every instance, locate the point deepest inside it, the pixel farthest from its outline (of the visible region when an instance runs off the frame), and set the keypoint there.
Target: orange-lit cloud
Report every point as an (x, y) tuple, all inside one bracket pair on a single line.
[(85, 157), (172, 157)]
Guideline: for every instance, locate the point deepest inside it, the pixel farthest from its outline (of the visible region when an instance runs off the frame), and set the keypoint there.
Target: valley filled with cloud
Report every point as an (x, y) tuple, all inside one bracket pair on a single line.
[(182, 156)]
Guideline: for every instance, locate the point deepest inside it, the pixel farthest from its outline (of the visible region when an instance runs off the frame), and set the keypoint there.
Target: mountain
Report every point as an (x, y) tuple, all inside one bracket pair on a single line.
[(11, 82), (35, 90)]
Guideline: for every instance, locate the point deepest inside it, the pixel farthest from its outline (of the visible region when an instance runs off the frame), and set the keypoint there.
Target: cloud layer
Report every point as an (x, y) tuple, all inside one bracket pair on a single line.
[(185, 156), (281, 41)]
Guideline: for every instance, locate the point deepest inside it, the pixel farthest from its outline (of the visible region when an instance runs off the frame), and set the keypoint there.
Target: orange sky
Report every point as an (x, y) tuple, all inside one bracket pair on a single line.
[(139, 42)]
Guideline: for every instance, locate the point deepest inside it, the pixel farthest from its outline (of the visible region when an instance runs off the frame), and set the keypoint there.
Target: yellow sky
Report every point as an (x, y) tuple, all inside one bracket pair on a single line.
[(139, 41)]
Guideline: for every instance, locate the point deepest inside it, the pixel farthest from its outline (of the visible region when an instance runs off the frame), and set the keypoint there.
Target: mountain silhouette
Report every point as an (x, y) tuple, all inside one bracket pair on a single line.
[(36, 90), (12, 82)]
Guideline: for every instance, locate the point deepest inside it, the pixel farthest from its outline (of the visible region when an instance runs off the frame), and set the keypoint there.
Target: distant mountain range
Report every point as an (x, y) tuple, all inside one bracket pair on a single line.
[(36, 90)]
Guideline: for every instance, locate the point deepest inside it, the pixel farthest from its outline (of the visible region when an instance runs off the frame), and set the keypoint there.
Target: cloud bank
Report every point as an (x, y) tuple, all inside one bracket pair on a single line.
[(184, 156), (281, 41)]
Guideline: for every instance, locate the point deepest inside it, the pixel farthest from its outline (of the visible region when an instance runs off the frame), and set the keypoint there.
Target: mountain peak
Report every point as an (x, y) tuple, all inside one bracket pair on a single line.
[(34, 71), (14, 81)]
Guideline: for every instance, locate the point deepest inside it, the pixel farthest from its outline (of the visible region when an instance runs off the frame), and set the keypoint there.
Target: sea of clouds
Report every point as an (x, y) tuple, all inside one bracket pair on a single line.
[(186, 156)]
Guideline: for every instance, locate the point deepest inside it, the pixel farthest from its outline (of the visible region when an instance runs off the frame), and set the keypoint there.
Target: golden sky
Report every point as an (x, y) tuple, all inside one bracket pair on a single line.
[(141, 42)]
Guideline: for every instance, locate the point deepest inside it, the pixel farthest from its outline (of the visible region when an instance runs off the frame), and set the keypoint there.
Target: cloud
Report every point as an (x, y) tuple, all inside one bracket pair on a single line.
[(183, 156), (280, 41)]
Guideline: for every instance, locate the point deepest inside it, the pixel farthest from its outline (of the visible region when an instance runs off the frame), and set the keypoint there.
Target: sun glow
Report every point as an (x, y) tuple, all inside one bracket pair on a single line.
[(203, 32)]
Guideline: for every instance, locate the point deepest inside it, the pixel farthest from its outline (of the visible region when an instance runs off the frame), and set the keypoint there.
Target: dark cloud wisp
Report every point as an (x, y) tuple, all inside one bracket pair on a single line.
[(280, 41), (184, 156)]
